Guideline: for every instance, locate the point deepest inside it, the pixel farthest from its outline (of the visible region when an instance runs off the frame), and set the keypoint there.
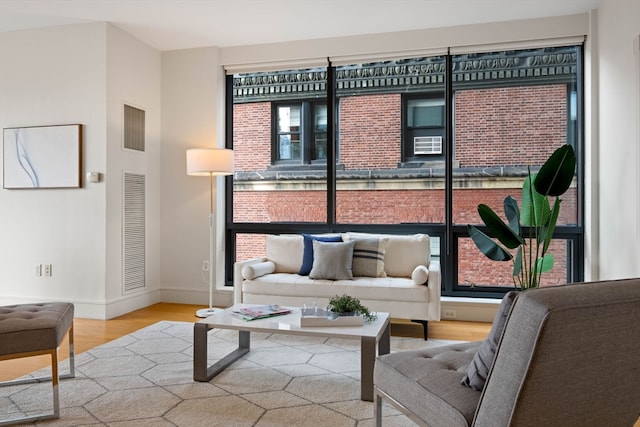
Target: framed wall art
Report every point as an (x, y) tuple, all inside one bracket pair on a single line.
[(42, 157)]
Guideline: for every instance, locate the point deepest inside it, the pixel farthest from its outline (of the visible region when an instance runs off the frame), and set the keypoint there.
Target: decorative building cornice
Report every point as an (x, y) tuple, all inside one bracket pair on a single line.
[(548, 65)]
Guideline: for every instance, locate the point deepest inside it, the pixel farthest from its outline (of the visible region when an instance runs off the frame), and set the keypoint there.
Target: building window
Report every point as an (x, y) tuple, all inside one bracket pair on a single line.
[(300, 133), (424, 127)]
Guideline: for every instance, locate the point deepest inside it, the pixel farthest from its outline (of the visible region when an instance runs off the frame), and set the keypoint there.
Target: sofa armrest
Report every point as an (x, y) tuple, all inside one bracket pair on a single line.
[(237, 277), (434, 284)]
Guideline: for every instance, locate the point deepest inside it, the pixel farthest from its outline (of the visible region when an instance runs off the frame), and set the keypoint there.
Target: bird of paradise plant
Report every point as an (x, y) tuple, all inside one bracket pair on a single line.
[(525, 239)]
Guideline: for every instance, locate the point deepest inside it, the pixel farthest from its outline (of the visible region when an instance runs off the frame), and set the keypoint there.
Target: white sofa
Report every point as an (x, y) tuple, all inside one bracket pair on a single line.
[(390, 273)]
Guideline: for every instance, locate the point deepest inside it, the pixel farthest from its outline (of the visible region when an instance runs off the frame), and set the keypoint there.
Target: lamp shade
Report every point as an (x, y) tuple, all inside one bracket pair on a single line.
[(209, 161)]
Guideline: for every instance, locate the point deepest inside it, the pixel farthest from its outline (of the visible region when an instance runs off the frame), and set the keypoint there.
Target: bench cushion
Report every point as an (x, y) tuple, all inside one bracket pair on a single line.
[(33, 327)]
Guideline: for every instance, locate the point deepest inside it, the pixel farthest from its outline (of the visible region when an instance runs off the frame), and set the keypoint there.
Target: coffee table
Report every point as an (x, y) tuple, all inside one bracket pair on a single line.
[(371, 334)]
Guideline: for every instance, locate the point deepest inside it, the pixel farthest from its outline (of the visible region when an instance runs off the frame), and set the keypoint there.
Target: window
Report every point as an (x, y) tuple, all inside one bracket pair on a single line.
[(424, 127), (405, 146), (301, 133)]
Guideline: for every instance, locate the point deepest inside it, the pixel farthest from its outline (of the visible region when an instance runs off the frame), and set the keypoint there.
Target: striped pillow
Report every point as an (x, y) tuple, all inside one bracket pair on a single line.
[(368, 257)]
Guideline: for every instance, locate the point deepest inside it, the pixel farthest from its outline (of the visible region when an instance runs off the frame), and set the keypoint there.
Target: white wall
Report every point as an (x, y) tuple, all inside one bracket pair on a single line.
[(192, 117), (55, 76), (618, 139), (133, 77), (77, 74)]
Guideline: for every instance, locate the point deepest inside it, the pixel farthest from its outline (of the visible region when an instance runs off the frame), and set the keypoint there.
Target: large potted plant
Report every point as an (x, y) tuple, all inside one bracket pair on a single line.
[(525, 238)]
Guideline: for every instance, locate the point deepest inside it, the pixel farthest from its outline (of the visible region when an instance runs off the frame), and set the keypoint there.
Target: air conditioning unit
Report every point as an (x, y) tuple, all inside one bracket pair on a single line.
[(427, 145)]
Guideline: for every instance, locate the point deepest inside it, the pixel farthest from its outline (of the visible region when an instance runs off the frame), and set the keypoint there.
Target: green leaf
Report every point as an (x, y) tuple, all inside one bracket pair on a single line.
[(487, 246), (517, 262), (555, 176), (544, 264), (512, 213), (498, 228), (548, 230), (535, 206)]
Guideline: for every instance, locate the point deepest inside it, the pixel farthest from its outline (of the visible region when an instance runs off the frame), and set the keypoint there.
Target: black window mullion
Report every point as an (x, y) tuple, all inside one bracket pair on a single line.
[(331, 145), (450, 263)]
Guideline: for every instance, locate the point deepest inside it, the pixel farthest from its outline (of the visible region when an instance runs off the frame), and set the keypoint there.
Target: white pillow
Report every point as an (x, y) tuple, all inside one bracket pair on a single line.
[(420, 275), (285, 251), (252, 271)]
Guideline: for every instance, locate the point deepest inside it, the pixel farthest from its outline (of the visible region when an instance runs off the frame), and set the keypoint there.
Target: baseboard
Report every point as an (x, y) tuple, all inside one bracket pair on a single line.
[(469, 309)]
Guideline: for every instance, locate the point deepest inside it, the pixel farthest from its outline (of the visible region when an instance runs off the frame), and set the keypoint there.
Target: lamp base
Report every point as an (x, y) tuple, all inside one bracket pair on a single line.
[(206, 312)]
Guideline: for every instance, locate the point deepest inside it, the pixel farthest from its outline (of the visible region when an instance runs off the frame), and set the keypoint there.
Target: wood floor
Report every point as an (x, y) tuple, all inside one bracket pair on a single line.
[(91, 333)]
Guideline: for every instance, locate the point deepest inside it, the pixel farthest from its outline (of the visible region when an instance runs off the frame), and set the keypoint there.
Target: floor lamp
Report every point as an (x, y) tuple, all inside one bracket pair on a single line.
[(209, 162)]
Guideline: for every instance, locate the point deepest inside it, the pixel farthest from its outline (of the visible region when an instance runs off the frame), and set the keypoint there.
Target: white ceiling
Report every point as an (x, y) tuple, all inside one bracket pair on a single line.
[(181, 24)]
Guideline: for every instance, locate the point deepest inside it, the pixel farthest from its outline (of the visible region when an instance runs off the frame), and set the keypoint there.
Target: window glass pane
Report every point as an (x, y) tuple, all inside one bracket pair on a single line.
[(249, 246), (320, 132), (273, 119), (512, 109), (425, 112), (376, 184), (477, 271)]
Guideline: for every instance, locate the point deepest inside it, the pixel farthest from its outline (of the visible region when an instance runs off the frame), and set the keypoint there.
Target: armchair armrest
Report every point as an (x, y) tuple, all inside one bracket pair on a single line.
[(237, 277)]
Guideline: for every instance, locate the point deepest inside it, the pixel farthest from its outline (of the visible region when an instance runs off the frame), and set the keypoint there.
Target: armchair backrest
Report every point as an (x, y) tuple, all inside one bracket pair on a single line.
[(569, 355)]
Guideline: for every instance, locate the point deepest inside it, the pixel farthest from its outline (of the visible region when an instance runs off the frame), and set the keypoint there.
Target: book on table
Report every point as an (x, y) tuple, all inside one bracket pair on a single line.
[(261, 311)]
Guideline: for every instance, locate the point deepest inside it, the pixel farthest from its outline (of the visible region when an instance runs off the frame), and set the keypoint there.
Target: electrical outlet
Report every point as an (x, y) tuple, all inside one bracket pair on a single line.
[(205, 265), (38, 270), (47, 270), (449, 314)]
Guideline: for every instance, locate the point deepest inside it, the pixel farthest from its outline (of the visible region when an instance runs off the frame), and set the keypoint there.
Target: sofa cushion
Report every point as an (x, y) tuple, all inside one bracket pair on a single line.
[(332, 261), (403, 252), (368, 257), (478, 370), (307, 253), (252, 271), (285, 251), (387, 289)]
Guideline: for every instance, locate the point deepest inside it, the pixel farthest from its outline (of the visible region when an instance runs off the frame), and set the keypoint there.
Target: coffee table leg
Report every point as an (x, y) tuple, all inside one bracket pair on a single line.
[(202, 372), (368, 360)]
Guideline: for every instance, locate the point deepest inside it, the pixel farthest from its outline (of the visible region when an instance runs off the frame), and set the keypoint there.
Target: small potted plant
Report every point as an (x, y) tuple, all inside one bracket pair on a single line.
[(346, 305)]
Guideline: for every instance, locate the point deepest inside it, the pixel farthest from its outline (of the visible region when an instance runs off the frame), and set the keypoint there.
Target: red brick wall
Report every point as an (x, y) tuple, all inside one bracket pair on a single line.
[(370, 131), (511, 126)]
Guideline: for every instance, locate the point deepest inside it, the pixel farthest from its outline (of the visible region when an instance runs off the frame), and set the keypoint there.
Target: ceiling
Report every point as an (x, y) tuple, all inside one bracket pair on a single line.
[(182, 24)]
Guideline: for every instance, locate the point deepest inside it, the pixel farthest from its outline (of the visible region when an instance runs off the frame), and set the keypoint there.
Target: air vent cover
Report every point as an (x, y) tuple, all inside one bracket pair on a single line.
[(134, 126), (133, 239)]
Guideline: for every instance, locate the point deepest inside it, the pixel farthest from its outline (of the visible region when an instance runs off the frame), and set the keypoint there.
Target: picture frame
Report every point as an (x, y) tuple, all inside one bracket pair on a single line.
[(42, 157)]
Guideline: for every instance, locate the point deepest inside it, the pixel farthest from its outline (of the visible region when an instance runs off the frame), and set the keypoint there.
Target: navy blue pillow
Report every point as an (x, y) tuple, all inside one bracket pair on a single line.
[(307, 254)]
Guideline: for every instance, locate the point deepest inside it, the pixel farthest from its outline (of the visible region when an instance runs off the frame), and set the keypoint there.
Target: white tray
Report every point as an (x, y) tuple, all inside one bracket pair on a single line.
[(324, 318)]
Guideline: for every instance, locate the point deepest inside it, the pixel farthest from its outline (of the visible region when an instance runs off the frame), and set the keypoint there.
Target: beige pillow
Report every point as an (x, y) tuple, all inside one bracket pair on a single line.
[(332, 260), (403, 253), (285, 251), (368, 257)]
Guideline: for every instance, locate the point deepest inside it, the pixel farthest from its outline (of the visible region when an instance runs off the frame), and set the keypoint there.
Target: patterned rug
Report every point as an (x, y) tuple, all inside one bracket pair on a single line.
[(146, 379)]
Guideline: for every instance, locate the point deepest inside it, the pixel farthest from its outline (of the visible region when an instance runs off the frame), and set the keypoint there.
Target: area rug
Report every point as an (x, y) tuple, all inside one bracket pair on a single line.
[(146, 379)]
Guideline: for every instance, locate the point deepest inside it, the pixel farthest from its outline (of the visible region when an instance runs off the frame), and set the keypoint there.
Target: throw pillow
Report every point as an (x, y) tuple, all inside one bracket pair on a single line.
[(307, 251), (332, 261), (478, 370), (420, 275), (259, 269), (368, 257)]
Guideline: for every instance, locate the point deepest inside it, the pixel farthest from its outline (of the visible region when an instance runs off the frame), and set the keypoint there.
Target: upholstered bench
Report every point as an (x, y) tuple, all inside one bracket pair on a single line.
[(36, 329)]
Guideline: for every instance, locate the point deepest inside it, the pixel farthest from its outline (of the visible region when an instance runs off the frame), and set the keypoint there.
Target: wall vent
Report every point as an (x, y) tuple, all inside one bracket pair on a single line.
[(427, 145), (133, 232), (133, 128)]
